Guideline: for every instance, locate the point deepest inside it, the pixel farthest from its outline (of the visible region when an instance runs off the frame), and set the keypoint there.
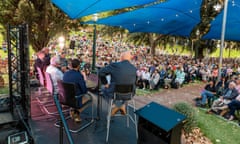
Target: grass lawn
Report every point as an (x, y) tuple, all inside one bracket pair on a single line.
[(141, 92), (217, 129), (4, 90)]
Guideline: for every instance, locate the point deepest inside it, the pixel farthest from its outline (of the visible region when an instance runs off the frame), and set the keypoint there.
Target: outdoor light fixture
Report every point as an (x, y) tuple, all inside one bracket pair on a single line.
[(197, 32), (61, 41), (217, 7), (95, 17)]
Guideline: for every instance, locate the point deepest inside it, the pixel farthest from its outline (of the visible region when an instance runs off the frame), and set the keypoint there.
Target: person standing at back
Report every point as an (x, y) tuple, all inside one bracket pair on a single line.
[(122, 72)]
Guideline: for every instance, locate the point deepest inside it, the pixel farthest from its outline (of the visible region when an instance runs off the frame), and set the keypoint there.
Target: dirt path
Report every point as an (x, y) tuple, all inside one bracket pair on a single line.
[(168, 97)]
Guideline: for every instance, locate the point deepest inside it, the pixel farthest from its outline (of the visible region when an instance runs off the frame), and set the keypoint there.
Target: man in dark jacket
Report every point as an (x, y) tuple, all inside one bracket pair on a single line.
[(122, 72)]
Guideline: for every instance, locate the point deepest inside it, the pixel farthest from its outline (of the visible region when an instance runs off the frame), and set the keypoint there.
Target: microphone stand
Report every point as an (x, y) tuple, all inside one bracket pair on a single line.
[(99, 103)]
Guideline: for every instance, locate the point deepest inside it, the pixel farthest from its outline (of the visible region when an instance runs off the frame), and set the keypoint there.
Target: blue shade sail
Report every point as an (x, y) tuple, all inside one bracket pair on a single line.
[(173, 17), (232, 31), (79, 8)]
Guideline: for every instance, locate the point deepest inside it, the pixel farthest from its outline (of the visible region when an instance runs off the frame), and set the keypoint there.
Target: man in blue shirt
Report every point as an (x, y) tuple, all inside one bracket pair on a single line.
[(75, 76)]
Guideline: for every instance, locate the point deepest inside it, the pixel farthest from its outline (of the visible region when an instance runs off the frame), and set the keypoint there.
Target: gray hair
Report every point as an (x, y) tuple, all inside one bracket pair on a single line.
[(232, 84), (55, 60)]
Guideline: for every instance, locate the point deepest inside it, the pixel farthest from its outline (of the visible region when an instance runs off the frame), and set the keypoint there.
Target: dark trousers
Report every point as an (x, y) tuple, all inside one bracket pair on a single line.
[(233, 106)]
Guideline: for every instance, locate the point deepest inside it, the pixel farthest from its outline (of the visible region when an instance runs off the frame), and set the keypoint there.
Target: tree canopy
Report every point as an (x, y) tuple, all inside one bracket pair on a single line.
[(46, 21), (43, 18)]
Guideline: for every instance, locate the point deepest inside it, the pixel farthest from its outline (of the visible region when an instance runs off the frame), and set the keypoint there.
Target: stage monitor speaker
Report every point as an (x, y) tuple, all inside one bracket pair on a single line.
[(18, 138), (158, 124)]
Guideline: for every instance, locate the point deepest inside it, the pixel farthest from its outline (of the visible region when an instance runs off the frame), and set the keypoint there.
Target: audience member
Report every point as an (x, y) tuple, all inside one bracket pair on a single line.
[(180, 77), (229, 94), (154, 79), (63, 62), (233, 106), (145, 78), (208, 92)]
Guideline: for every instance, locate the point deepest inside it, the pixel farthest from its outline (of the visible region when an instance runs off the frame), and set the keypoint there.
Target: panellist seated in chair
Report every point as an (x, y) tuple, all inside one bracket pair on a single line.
[(229, 94), (122, 72), (55, 73), (75, 76)]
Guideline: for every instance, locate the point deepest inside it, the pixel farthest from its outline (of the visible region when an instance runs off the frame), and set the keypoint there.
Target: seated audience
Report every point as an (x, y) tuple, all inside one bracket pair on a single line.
[(208, 92), (180, 77), (229, 94), (63, 62), (221, 86), (170, 76), (233, 106), (162, 74), (204, 72), (154, 79), (145, 78)]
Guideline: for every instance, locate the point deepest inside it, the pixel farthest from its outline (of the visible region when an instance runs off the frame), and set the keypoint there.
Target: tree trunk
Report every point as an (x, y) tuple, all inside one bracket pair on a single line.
[(198, 50)]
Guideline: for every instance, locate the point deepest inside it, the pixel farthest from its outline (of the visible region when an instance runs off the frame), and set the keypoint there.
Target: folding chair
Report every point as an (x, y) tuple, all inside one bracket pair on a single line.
[(67, 96), (44, 90), (47, 103), (122, 93)]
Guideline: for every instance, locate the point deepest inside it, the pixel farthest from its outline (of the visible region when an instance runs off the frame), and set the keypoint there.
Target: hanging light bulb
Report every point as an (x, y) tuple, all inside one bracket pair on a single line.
[(217, 7)]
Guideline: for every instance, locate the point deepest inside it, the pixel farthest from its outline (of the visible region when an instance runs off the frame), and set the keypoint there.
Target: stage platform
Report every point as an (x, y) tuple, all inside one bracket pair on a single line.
[(44, 131)]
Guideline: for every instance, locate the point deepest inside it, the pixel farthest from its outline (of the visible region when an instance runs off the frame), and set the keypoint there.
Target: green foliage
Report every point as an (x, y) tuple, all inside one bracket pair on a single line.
[(4, 90), (234, 53), (218, 130), (187, 110), (44, 20)]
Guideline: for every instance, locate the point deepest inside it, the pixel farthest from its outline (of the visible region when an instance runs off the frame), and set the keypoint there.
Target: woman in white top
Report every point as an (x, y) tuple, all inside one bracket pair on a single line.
[(154, 79)]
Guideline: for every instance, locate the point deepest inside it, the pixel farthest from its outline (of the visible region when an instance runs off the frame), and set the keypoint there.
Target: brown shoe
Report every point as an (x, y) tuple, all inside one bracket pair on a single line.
[(223, 112), (114, 110), (123, 110), (71, 114), (209, 112), (77, 118)]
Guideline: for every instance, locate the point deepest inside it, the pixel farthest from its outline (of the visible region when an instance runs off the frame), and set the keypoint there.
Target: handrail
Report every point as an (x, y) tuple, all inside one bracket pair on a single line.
[(69, 136)]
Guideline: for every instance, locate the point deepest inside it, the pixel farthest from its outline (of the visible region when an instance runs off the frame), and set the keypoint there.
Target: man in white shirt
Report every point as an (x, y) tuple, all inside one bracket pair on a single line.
[(55, 72)]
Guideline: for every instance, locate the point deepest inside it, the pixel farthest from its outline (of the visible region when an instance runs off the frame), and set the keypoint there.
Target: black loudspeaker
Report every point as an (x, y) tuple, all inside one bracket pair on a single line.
[(158, 124), (72, 44)]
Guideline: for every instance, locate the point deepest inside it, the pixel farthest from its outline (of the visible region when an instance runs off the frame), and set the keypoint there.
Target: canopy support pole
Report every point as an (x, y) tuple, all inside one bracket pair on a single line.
[(222, 38)]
